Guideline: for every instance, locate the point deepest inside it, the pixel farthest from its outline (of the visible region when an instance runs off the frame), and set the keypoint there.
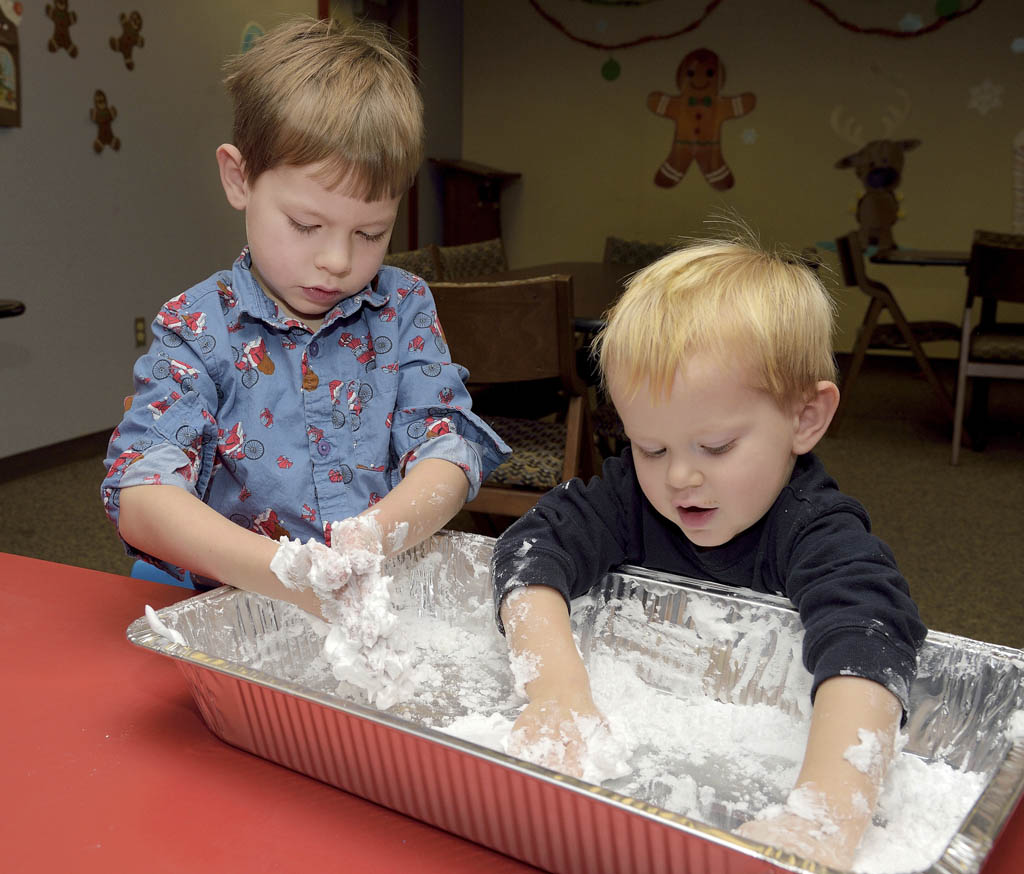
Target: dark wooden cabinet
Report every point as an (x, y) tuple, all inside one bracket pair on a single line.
[(471, 205)]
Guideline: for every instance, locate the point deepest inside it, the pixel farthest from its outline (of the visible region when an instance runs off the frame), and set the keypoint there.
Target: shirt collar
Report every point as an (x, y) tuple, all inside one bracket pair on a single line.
[(254, 301)]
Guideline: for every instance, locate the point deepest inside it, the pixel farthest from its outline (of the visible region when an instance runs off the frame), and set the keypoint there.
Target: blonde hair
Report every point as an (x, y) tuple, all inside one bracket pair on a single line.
[(311, 92), (765, 311)]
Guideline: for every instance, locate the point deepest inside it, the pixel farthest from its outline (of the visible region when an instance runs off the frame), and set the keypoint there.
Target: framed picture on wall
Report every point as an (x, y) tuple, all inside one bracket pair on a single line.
[(10, 69)]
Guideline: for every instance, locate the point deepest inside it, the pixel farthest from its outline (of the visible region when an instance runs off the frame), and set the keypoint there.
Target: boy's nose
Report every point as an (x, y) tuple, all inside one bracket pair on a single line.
[(335, 258), (683, 473)]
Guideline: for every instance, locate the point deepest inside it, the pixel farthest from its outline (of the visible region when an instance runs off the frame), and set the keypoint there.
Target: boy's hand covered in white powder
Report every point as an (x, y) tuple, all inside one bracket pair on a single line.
[(355, 553), (810, 836), (307, 565), (360, 539), (572, 738)]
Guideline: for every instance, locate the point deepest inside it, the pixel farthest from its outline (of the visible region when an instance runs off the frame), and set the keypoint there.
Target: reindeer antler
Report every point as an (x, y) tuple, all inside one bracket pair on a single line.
[(847, 127), (896, 115)]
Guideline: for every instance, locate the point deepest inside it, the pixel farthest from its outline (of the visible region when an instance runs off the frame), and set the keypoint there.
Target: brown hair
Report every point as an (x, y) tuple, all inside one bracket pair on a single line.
[(313, 92)]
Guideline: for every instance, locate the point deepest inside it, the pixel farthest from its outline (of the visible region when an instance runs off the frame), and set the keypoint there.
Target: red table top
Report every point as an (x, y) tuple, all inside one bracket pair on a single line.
[(107, 766)]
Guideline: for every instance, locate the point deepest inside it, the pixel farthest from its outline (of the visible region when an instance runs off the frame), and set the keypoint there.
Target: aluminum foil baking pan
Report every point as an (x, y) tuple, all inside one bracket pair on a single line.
[(250, 663)]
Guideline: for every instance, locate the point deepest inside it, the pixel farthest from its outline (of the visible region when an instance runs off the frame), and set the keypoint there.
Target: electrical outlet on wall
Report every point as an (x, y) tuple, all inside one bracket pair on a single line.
[(140, 331)]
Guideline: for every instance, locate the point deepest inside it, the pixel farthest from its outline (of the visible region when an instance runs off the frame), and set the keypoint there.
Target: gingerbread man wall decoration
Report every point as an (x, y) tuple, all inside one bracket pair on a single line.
[(698, 111), (103, 114), (131, 36), (62, 18)]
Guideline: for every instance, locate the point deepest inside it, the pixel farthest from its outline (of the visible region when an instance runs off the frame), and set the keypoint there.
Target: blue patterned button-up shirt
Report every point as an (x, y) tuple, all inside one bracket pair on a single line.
[(284, 430)]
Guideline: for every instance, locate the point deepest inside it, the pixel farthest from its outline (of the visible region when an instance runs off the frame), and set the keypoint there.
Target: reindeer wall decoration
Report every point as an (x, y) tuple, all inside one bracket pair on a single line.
[(879, 166)]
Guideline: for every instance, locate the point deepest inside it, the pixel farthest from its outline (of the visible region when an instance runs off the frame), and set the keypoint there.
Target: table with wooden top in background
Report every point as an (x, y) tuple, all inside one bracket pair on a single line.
[(106, 764), (922, 257), (932, 258)]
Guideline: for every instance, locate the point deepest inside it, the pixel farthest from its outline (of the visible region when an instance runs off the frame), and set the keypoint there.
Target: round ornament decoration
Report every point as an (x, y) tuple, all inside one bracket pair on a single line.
[(250, 33)]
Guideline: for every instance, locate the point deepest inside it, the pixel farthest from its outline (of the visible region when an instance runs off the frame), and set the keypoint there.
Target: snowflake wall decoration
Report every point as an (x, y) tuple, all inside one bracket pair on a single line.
[(986, 97)]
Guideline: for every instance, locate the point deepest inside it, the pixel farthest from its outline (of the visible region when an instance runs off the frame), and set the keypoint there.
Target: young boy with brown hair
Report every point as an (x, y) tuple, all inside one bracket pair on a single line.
[(307, 386), (718, 358)]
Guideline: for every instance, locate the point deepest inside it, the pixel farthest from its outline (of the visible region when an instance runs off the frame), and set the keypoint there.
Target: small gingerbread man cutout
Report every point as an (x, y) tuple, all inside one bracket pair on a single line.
[(698, 111), (62, 19), (103, 114), (131, 36)]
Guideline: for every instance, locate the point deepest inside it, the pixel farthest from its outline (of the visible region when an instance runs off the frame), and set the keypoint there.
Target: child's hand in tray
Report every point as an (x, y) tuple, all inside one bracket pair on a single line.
[(308, 565), (561, 728), (360, 541), (824, 842), (554, 733), (355, 553)]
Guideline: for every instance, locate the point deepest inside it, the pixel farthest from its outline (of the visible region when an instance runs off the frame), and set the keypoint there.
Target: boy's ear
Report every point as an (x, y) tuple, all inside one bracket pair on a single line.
[(814, 415), (232, 175)]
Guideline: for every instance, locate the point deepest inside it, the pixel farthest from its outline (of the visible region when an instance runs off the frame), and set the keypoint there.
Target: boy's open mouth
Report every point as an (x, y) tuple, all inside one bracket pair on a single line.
[(695, 515)]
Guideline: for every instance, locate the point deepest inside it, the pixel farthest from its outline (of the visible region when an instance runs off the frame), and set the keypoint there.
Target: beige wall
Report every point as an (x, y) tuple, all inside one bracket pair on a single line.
[(535, 102), (91, 241)]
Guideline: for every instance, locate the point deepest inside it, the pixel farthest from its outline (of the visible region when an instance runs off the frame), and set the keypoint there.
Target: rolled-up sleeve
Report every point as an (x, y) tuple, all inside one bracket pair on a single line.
[(169, 433), (433, 416)]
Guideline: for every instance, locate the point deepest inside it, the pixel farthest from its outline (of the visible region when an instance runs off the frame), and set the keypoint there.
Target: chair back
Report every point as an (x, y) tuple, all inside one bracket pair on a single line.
[(472, 260), (634, 254), (851, 259), (996, 268), (423, 262), (851, 263), (521, 331), (510, 331), (990, 349)]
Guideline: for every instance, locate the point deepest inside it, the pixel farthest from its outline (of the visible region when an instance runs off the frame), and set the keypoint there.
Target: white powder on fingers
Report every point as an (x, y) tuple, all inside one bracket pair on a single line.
[(807, 804), (291, 564), (605, 754), (810, 805)]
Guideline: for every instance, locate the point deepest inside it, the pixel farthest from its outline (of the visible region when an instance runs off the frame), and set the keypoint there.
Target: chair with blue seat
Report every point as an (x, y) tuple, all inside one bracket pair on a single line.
[(143, 570)]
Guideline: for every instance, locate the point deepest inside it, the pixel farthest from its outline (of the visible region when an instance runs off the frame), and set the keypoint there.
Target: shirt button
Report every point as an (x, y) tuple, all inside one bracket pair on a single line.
[(314, 348), (323, 447)]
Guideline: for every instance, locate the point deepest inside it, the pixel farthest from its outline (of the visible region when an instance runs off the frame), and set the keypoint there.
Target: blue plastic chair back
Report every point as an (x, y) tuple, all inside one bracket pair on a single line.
[(143, 570)]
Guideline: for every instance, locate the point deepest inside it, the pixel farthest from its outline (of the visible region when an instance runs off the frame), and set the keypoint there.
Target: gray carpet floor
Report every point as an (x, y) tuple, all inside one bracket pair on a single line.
[(957, 532)]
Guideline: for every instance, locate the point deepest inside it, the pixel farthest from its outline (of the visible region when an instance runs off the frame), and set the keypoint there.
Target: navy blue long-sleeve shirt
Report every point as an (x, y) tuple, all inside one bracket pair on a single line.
[(814, 546)]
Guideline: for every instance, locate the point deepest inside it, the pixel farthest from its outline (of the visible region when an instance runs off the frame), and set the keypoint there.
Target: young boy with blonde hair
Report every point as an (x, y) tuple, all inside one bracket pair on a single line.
[(718, 358), (305, 393)]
